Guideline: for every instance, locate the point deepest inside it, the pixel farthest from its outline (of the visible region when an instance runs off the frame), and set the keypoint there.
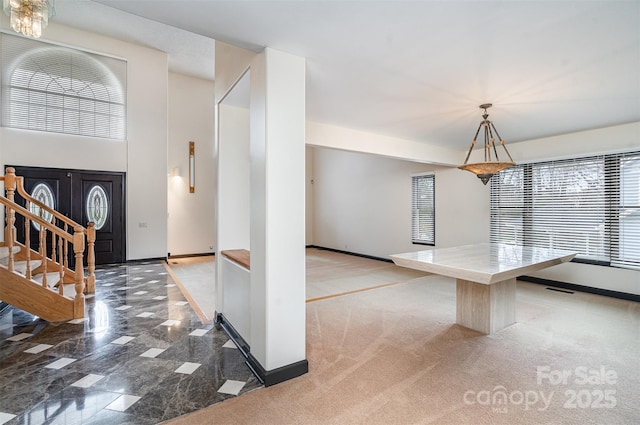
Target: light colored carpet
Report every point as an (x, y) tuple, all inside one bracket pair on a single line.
[(393, 355), (330, 273)]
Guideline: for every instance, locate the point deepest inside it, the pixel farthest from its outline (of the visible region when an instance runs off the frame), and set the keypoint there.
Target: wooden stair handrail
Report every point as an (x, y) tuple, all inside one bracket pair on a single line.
[(20, 288), (19, 185), (44, 223), (77, 241), (13, 183)]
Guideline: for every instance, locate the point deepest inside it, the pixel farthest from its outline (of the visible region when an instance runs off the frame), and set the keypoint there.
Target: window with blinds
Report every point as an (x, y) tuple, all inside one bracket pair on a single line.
[(423, 223), (51, 88), (588, 205)]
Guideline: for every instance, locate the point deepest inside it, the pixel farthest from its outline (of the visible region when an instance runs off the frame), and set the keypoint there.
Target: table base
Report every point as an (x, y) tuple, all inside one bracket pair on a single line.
[(486, 308)]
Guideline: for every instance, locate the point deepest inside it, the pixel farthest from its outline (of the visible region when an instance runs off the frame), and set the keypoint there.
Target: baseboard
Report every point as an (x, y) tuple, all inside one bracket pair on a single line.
[(281, 374), (203, 254), (581, 288), (355, 254), (267, 377), (233, 334), (138, 260)]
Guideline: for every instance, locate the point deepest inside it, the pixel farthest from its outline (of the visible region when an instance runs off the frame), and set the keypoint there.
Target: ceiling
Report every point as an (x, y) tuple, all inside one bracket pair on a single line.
[(415, 70)]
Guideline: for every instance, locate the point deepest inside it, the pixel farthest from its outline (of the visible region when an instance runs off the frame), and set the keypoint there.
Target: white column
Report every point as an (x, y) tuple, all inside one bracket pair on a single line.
[(277, 151)]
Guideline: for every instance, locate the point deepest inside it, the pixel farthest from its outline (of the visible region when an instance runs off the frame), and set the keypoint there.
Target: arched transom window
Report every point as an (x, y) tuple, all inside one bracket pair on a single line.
[(58, 89)]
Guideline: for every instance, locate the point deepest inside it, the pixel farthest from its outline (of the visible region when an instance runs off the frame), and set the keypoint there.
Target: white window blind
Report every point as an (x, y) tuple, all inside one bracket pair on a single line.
[(51, 88), (588, 205), (423, 226), (626, 209)]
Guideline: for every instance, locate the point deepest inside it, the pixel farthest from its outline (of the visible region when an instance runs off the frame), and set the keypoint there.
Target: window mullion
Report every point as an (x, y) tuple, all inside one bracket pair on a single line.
[(527, 210), (612, 222)]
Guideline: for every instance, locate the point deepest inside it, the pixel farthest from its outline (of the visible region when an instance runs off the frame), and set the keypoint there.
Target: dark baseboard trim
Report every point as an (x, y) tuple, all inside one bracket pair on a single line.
[(144, 259), (139, 260), (204, 254), (267, 377), (581, 288), (355, 254), (233, 334), (281, 374), (548, 282)]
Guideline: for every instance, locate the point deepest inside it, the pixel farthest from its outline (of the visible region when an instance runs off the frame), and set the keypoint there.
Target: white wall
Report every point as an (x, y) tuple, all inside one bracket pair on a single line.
[(143, 156), (234, 167), (277, 199), (362, 203), (331, 136), (277, 209), (622, 138), (231, 64), (191, 216)]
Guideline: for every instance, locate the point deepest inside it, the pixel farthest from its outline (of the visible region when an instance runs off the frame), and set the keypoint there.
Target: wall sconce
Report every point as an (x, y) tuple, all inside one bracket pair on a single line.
[(192, 167), (175, 172)]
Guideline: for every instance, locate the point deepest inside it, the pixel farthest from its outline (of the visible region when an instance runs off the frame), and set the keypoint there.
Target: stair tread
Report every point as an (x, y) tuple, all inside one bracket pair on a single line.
[(4, 251), (53, 277), (29, 294)]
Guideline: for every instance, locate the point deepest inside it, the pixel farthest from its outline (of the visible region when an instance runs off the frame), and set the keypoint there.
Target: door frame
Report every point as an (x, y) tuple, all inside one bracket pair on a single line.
[(122, 200)]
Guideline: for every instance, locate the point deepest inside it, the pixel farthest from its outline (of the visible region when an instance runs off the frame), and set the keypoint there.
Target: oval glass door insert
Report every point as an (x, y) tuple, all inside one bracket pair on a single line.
[(42, 193), (97, 206)]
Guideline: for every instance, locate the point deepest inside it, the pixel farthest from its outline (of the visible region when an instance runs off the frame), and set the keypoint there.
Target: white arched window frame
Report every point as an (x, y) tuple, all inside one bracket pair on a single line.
[(57, 89)]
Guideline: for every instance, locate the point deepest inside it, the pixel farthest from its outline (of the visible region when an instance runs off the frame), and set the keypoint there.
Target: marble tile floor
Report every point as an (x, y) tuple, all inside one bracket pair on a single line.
[(141, 356)]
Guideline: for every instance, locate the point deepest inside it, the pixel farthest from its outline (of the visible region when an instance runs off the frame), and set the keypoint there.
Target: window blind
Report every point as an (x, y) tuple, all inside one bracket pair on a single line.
[(625, 240), (52, 88), (423, 209), (588, 205)]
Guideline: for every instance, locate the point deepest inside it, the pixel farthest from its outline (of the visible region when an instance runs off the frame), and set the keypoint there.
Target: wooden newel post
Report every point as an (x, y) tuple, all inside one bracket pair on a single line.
[(10, 183), (91, 258), (78, 249), (10, 230), (10, 188)]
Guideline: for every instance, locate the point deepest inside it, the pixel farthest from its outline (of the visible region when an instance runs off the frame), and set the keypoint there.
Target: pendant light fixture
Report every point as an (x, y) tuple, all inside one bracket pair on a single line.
[(492, 164)]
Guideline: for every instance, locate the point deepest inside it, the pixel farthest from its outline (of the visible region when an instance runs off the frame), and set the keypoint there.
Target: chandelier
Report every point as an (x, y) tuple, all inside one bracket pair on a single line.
[(492, 164), (29, 17)]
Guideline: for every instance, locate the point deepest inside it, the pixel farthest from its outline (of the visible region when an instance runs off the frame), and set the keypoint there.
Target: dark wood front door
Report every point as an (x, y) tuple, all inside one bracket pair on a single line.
[(82, 196)]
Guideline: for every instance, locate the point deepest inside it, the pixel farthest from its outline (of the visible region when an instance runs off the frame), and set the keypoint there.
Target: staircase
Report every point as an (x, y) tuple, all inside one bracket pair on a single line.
[(40, 281)]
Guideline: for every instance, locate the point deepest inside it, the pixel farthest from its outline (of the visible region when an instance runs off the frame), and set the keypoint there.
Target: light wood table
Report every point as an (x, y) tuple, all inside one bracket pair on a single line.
[(485, 278)]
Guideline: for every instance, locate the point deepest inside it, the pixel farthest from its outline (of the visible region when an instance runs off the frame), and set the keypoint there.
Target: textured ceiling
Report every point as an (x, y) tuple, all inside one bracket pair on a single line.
[(414, 69)]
